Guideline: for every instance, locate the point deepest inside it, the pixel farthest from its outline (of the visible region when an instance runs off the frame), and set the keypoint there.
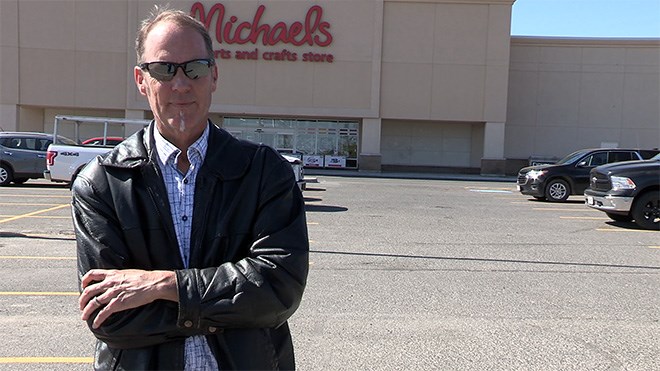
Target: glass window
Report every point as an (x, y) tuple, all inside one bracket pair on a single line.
[(616, 156)]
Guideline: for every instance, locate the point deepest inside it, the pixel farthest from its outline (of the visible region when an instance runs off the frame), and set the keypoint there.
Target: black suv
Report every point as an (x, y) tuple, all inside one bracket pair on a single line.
[(23, 155), (570, 175)]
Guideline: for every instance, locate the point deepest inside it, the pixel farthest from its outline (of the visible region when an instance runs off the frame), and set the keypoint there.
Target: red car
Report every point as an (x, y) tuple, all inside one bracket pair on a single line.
[(98, 141)]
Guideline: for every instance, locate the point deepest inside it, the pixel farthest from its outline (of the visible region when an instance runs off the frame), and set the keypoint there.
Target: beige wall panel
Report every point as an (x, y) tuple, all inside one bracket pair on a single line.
[(353, 29), (640, 138), (525, 54), (342, 85), (237, 82), (495, 103), (8, 23), (406, 90), (408, 31), (558, 99), (601, 100), (417, 143), (585, 138), (499, 39), (426, 138), (610, 57), (458, 92), (461, 34), (556, 141), (523, 95), (284, 85), (102, 25), (101, 79), (31, 119), (643, 56), (9, 70), (519, 141), (564, 58), (49, 78), (47, 24), (641, 103)]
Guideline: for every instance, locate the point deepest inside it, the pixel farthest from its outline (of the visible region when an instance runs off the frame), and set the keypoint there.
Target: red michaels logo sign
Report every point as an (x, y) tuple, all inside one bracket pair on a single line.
[(230, 30)]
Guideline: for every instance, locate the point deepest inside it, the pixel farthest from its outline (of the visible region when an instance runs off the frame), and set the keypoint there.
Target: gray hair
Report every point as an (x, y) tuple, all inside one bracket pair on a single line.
[(178, 17)]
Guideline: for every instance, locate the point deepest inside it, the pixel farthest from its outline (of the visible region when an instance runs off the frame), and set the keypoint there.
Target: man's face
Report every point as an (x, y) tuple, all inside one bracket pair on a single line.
[(181, 105)]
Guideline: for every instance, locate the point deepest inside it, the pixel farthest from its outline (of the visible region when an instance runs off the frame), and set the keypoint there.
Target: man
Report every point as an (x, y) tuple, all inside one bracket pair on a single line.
[(192, 245)]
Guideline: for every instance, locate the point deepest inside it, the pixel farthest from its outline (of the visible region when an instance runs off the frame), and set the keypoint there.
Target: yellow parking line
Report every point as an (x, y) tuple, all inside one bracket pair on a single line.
[(312, 223), (557, 209), (624, 230), (38, 257), (25, 204), (39, 216), (44, 196), (583, 217), (654, 247), (61, 206), (7, 360), (38, 293)]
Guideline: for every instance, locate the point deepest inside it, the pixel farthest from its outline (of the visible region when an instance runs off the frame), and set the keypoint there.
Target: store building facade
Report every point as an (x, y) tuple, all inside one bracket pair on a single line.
[(429, 85)]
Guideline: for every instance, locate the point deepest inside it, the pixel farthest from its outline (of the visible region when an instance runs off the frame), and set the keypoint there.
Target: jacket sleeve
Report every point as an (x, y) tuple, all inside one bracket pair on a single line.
[(265, 288), (101, 244)]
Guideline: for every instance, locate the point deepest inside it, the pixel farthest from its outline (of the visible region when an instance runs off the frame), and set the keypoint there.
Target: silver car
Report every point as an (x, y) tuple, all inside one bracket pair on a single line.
[(23, 155)]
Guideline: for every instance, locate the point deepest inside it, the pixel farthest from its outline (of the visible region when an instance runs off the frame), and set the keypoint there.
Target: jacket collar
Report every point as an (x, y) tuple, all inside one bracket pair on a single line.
[(226, 157)]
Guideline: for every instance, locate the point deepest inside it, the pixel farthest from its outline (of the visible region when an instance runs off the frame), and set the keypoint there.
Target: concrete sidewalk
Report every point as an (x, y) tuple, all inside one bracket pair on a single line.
[(310, 175)]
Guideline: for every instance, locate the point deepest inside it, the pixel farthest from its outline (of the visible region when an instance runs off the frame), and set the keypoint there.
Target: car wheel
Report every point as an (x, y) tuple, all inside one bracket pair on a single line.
[(5, 175), (646, 211), (620, 217), (557, 191)]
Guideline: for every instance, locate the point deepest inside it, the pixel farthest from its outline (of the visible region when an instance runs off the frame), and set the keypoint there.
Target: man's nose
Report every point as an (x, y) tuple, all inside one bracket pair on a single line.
[(180, 80)]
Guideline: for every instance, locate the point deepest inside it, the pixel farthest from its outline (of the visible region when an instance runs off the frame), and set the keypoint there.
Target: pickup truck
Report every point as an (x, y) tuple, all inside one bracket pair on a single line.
[(627, 191), (64, 160)]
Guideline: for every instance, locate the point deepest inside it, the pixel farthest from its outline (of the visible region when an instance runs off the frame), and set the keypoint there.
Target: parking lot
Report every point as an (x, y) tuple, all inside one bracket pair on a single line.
[(417, 274)]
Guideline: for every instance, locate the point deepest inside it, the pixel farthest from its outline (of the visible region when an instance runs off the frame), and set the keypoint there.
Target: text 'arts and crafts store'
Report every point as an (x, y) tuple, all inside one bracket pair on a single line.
[(421, 85)]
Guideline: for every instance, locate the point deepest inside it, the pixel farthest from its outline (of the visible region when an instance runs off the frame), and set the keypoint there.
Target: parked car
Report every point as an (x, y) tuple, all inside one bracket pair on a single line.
[(23, 155), (98, 141), (298, 172), (627, 191), (570, 175)]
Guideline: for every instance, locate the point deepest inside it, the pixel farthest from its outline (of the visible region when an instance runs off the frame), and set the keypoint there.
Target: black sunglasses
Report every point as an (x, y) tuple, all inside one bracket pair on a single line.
[(165, 71)]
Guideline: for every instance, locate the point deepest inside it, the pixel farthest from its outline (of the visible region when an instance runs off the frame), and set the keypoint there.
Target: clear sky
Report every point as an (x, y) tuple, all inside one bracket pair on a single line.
[(586, 18)]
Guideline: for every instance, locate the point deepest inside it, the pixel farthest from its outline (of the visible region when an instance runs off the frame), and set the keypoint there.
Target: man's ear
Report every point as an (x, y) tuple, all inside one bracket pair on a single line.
[(140, 81)]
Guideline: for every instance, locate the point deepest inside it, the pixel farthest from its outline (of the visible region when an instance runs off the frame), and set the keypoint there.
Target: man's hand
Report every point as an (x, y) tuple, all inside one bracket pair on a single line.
[(113, 291)]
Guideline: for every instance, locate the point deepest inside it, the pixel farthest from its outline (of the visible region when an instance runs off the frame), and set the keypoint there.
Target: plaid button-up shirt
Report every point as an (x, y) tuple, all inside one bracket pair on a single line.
[(181, 194)]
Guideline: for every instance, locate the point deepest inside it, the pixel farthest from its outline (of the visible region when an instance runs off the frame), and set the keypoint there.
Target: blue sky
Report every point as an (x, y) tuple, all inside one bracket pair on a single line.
[(586, 18)]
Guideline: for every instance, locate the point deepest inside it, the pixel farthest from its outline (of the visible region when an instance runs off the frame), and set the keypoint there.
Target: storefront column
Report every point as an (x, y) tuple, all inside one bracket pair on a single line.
[(370, 157), (493, 162)]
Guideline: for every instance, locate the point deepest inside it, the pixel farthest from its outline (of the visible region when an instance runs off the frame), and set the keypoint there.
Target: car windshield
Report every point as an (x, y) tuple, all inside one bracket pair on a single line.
[(65, 140), (655, 158), (572, 157)]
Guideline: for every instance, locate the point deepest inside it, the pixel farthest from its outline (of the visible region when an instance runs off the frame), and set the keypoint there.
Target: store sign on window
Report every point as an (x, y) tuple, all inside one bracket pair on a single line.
[(269, 41)]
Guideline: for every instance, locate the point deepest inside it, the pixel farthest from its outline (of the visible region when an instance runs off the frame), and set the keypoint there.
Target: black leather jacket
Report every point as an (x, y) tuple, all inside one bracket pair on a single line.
[(249, 253)]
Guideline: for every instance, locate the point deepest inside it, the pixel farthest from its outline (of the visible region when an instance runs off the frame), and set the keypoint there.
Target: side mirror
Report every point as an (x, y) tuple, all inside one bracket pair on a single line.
[(582, 164)]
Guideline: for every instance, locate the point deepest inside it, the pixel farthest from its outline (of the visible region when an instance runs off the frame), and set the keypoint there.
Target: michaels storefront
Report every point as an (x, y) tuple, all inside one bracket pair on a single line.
[(363, 84), (425, 85)]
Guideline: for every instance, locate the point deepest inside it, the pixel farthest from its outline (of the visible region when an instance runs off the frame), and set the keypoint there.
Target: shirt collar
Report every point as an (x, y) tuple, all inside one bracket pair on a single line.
[(168, 152)]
